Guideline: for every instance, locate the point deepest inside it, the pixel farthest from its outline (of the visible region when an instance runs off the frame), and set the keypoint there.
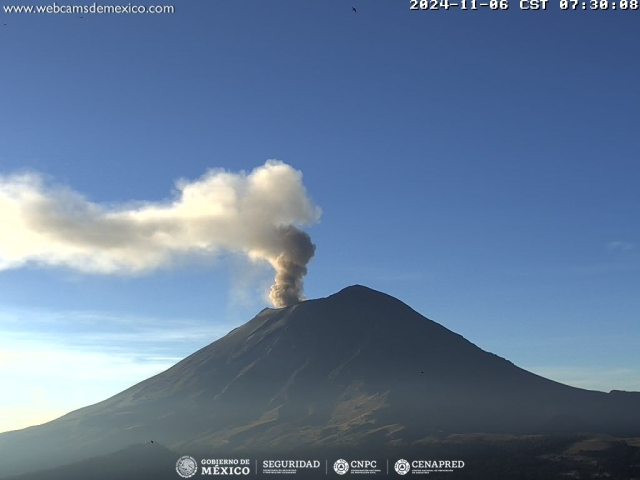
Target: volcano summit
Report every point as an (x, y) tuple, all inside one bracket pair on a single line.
[(356, 369)]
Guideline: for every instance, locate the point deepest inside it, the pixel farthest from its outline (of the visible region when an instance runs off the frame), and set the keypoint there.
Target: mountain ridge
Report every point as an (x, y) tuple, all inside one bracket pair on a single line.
[(356, 368)]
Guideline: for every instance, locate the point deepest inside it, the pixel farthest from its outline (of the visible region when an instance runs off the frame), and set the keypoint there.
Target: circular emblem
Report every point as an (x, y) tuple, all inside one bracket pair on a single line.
[(341, 466), (186, 466), (402, 467)]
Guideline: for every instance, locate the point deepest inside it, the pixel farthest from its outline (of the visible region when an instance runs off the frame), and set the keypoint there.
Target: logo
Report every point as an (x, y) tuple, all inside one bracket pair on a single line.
[(226, 466), (402, 467), (186, 466), (356, 467), (341, 466), (424, 467), (289, 466)]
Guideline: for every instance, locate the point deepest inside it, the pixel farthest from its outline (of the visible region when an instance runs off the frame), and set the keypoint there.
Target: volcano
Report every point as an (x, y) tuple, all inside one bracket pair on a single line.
[(358, 368)]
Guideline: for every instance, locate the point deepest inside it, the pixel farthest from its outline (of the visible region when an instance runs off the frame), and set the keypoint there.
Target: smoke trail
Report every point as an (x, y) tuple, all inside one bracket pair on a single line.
[(253, 214), (291, 266)]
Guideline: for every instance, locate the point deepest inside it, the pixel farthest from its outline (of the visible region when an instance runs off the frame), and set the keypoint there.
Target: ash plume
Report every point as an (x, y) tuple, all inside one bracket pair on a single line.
[(291, 266), (255, 214)]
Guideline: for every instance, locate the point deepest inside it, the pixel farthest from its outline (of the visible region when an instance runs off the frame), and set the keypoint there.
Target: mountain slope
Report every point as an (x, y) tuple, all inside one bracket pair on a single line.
[(136, 462), (357, 368)]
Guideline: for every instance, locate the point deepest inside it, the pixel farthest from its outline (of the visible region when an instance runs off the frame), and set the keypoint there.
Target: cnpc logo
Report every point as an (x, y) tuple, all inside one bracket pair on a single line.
[(363, 464), (342, 466)]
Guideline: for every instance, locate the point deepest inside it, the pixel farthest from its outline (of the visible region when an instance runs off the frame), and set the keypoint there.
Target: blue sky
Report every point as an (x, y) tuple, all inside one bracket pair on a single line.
[(482, 166)]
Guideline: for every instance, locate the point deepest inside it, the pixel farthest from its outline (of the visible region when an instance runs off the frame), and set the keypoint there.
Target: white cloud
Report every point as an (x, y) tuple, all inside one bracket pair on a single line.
[(619, 246), (106, 331), (252, 214)]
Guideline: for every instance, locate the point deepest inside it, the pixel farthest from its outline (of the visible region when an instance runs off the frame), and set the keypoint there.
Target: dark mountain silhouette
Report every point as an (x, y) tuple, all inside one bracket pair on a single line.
[(359, 368), (136, 462)]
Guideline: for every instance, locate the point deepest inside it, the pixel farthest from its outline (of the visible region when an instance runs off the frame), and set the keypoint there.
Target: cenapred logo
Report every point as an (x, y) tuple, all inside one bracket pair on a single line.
[(186, 466), (424, 467), (402, 467), (341, 466)]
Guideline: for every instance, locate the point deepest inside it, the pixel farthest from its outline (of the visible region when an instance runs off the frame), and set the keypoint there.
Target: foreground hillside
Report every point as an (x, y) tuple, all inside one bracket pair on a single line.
[(485, 457)]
